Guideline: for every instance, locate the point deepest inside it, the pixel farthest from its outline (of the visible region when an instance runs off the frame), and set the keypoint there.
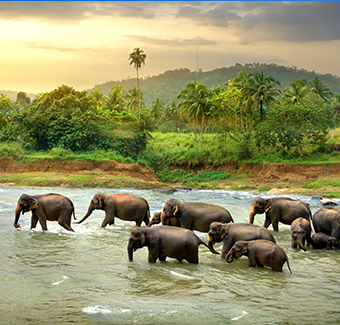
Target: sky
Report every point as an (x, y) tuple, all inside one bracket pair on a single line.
[(46, 44)]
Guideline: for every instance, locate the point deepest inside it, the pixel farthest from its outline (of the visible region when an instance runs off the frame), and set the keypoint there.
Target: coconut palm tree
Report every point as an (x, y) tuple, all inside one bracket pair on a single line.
[(296, 92), (321, 89), (157, 109), (263, 90), (135, 99), (334, 107), (194, 105), (98, 97), (115, 100), (137, 58)]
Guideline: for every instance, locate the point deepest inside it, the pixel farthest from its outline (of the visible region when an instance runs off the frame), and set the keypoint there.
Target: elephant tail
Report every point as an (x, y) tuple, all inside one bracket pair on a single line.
[(288, 265), (211, 249), (73, 211), (147, 216)]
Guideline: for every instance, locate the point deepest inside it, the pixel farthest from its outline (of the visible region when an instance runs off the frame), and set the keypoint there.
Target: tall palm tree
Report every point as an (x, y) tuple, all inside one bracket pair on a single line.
[(263, 90), (115, 100), (320, 88), (296, 92), (137, 58), (194, 105)]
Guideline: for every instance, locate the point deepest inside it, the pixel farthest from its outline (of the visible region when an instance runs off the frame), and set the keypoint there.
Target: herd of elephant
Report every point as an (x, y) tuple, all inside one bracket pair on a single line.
[(175, 237)]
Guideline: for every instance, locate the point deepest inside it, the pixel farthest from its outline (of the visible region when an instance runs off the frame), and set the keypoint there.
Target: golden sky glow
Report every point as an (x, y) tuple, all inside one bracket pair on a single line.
[(47, 44)]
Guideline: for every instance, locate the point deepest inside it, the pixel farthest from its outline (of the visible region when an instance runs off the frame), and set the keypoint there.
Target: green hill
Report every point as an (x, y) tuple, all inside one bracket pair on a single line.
[(168, 84)]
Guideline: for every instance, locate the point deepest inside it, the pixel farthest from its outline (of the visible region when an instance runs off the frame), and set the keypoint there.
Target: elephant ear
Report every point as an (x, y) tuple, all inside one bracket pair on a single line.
[(33, 203), (174, 210), (267, 209), (142, 238), (222, 231), (245, 250)]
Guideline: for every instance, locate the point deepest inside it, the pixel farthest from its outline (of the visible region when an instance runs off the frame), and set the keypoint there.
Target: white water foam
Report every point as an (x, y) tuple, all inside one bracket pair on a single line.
[(180, 275), (61, 281), (238, 317)]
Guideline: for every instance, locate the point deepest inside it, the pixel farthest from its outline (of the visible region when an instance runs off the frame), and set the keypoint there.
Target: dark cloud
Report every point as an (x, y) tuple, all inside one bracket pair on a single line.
[(271, 20), (173, 42)]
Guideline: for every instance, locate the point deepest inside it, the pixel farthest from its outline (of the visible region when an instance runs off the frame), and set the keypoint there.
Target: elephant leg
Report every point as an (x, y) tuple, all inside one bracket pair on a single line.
[(276, 226), (152, 258), (259, 264), (251, 260), (193, 259), (294, 245), (65, 224), (108, 220), (267, 223), (162, 258), (227, 245), (43, 223), (34, 221)]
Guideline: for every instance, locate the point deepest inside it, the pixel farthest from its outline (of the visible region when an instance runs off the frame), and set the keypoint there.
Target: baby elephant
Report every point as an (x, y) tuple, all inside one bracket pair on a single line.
[(321, 240), (260, 252), (300, 230), (164, 241), (156, 219)]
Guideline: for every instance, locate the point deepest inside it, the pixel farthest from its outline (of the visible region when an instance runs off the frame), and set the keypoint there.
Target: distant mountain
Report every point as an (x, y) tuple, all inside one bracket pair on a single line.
[(166, 86), (13, 94)]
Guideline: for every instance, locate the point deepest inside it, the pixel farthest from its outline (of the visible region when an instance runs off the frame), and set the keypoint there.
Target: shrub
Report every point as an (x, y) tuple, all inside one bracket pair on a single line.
[(12, 150)]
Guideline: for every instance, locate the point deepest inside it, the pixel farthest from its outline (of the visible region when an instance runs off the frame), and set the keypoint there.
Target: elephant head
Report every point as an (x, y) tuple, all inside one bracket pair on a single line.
[(156, 219), (259, 205), (25, 203), (333, 242), (299, 237), (170, 210), (97, 203), (240, 248), (137, 240), (217, 232)]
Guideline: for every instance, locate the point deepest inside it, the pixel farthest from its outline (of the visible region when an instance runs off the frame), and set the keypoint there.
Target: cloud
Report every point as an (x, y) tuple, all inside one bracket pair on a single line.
[(175, 42), (294, 21)]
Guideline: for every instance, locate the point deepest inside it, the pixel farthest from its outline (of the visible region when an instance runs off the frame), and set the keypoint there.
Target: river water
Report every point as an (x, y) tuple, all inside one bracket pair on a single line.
[(58, 277)]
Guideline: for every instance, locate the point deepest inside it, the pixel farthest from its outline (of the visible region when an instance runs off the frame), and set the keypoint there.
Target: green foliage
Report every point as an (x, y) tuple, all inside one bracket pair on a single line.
[(12, 150), (60, 152), (190, 178)]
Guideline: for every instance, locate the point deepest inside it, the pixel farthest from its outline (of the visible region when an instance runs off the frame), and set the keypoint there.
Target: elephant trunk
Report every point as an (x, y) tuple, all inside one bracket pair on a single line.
[(130, 252), (88, 213), (252, 213), (301, 243), (17, 216), (229, 257), (210, 242)]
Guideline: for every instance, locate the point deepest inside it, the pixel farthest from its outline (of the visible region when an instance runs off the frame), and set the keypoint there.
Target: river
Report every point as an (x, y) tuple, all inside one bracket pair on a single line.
[(59, 277)]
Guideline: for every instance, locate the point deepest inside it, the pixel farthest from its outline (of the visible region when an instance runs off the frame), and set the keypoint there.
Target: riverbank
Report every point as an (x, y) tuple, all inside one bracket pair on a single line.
[(314, 179)]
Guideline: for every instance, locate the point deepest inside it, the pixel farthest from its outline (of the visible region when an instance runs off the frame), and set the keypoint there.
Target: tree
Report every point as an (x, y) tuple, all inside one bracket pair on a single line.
[(137, 58), (98, 97), (295, 125), (297, 92), (116, 99), (334, 107), (263, 90), (157, 109), (195, 105), (135, 99), (321, 89), (21, 96)]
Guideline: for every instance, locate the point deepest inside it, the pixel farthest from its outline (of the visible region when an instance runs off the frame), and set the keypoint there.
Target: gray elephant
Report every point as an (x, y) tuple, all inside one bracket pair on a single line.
[(51, 207), (300, 232), (156, 219), (279, 209), (321, 240), (166, 241), (123, 206), (230, 233), (327, 220), (194, 215), (260, 253)]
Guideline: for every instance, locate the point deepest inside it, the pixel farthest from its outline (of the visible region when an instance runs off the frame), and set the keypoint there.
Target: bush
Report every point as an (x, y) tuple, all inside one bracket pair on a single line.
[(60, 152), (12, 150)]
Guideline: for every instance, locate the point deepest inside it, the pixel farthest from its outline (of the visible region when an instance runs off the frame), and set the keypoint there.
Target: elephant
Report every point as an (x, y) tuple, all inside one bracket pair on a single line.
[(123, 206), (279, 209), (194, 215), (230, 233), (156, 219), (327, 220), (300, 232), (260, 252), (321, 240), (166, 241), (51, 207)]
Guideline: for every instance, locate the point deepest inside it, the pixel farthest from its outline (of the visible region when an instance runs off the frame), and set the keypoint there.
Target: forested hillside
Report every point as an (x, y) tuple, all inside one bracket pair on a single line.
[(166, 86)]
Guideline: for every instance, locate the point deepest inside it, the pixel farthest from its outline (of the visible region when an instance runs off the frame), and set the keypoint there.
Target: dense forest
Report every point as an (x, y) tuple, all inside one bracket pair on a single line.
[(246, 114)]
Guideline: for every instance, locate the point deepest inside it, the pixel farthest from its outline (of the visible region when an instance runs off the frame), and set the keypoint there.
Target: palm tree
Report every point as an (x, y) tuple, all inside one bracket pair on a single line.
[(320, 88), (334, 106), (195, 105), (135, 99), (98, 98), (297, 93), (115, 100), (157, 109), (263, 90), (137, 58)]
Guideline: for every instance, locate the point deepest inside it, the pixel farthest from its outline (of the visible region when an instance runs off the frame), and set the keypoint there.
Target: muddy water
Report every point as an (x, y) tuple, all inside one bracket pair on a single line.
[(57, 277)]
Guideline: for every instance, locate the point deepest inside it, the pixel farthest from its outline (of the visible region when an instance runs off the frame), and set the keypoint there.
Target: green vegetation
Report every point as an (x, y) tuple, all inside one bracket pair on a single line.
[(248, 118)]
